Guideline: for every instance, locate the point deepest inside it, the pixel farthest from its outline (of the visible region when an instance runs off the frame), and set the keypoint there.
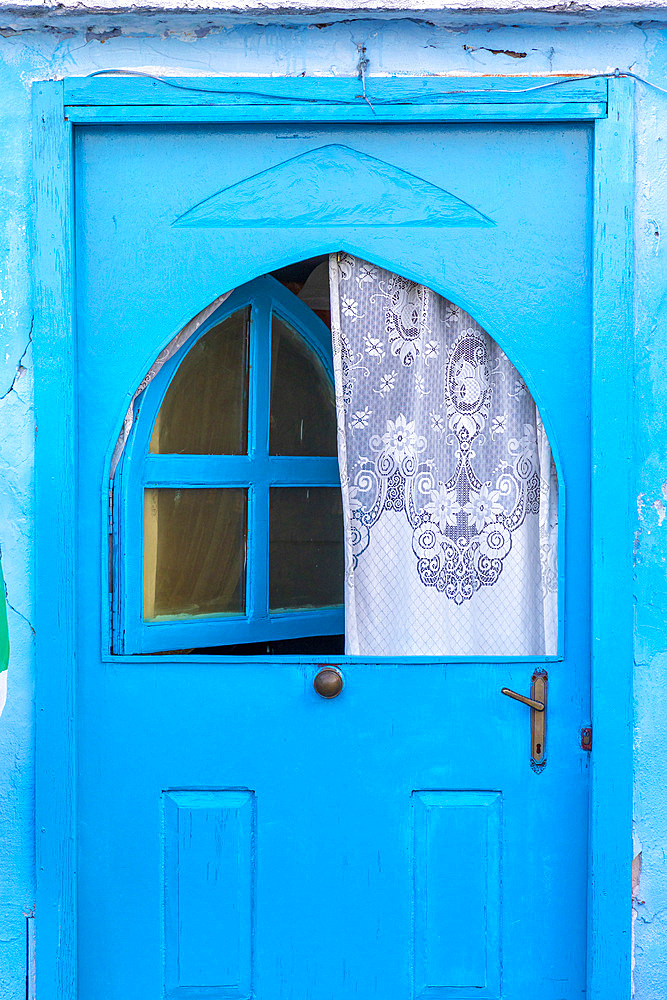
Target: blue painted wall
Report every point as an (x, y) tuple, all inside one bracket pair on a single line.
[(30, 52)]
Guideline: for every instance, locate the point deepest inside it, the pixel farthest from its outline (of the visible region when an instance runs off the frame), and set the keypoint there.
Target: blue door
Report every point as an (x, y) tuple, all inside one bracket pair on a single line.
[(239, 834)]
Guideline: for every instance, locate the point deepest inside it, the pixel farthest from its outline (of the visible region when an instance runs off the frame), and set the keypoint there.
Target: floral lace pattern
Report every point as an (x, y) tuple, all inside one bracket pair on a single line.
[(436, 424)]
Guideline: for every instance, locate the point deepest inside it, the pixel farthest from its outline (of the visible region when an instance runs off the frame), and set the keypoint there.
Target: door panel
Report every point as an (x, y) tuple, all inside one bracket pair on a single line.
[(458, 893), (238, 835), (209, 891)]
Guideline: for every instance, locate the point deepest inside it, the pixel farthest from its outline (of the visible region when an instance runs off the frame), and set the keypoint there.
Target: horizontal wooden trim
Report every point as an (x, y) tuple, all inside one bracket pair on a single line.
[(131, 115), (319, 659), (110, 91), (137, 100), (222, 630)]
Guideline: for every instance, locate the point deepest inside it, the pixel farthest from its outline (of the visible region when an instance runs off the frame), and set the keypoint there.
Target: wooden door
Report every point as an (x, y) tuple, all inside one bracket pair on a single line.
[(238, 835)]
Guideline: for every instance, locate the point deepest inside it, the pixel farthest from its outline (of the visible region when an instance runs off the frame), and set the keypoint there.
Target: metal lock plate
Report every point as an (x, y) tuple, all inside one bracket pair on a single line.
[(538, 722), (537, 703)]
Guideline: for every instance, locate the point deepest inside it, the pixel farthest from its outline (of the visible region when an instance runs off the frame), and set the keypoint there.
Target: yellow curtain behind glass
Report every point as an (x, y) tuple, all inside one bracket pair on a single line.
[(195, 552)]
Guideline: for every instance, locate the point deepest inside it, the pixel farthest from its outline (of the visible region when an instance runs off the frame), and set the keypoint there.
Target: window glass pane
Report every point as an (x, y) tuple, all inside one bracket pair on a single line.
[(303, 412), (194, 552), (205, 409), (306, 560)]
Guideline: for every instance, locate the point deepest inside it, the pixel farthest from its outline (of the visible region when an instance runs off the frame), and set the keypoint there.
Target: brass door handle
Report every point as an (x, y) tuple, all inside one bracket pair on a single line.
[(537, 703), (328, 682)]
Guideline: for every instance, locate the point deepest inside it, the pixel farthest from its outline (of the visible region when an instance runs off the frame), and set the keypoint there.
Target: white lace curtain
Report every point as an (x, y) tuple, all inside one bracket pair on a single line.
[(450, 495)]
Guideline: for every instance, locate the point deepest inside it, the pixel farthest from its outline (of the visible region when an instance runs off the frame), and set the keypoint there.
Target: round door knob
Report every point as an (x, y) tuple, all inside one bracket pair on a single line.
[(328, 682)]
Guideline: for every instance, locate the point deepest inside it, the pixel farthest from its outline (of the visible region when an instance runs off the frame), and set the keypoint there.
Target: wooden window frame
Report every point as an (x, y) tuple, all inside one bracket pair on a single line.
[(257, 472), (608, 105)]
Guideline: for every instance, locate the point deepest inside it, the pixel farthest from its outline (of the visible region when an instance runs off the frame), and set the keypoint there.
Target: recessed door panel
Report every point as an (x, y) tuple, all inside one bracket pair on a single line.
[(209, 875), (458, 894)]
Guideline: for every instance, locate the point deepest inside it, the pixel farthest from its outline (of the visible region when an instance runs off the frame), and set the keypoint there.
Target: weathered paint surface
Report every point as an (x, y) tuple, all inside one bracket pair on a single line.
[(32, 49), (454, 11)]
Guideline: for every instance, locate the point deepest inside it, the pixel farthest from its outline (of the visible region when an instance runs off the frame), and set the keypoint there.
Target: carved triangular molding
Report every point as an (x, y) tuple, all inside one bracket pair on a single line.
[(333, 185)]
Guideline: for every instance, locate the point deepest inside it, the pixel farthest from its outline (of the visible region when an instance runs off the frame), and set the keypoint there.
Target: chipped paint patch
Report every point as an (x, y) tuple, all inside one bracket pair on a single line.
[(636, 877), (99, 35), (496, 52), (640, 506)]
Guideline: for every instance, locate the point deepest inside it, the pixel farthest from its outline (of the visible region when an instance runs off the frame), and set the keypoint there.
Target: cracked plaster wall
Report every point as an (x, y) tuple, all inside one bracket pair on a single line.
[(30, 51)]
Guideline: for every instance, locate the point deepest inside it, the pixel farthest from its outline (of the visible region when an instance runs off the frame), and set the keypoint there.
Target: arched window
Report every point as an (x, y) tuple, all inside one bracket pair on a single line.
[(230, 526)]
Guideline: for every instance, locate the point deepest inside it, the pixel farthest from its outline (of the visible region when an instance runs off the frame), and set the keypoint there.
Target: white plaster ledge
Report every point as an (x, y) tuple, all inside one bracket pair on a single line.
[(451, 11)]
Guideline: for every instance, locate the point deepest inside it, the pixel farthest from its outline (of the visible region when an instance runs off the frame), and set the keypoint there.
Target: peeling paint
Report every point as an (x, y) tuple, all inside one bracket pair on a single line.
[(99, 35), (640, 506), (636, 877), (496, 52), (430, 12), (661, 511)]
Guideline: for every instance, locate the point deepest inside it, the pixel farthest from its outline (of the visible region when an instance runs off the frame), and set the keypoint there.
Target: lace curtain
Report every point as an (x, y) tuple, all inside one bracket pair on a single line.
[(450, 495)]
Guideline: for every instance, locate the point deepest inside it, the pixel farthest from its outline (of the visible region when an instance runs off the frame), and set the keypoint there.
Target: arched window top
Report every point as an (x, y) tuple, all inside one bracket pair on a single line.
[(230, 531), (205, 407), (230, 486), (201, 398)]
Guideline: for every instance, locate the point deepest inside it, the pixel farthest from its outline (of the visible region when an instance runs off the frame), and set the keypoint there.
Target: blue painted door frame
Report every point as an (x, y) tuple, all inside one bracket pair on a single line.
[(57, 107)]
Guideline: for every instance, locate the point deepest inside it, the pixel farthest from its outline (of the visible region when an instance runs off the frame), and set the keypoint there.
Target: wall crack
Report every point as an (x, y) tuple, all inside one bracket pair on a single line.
[(20, 367), (20, 614)]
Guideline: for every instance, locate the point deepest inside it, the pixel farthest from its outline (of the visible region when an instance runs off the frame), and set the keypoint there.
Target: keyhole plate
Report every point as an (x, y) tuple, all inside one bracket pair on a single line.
[(538, 722)]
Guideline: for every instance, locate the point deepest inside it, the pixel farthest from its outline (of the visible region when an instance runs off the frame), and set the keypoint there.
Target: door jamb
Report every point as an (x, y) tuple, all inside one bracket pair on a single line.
[(609, 105)]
